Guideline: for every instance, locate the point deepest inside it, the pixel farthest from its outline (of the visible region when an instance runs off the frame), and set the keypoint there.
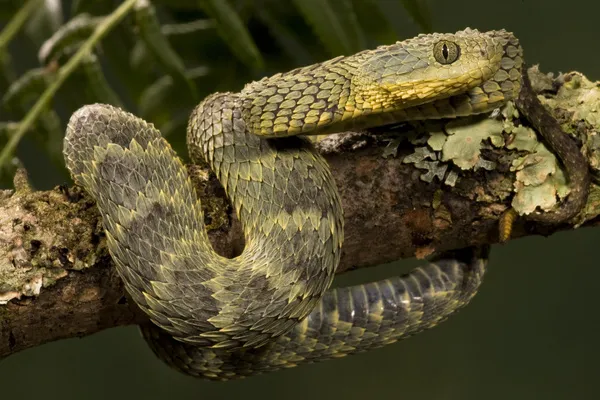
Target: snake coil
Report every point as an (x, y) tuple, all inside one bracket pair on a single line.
[(270, 307)]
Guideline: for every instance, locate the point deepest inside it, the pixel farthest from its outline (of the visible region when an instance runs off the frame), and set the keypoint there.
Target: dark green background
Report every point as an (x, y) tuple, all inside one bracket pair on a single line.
[(532, 332)]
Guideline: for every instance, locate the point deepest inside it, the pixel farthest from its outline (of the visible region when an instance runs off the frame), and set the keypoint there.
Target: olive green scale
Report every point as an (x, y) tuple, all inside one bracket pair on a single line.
[(271, 307)]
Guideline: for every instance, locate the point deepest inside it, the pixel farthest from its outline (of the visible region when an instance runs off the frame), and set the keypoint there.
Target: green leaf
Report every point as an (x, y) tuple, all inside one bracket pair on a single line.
[(29, 86), (157, 43), (233, 32), (196, 27), (73, 32)]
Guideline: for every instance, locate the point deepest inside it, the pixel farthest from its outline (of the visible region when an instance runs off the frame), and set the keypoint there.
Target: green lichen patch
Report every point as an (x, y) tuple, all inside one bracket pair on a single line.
[(457, 142), (413, 133), (544, 195), (578, 102), (509, 112), (451, 178), (420, 154), (581, 96), (464, 140), (426, 159), (436, 140), (434, 169), (592, 207), (534, 168), (539, 180), (591, 149), (523, 138)]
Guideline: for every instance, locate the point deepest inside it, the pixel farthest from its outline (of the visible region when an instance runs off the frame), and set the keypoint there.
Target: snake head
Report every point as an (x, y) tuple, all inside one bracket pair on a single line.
[(434, 66)]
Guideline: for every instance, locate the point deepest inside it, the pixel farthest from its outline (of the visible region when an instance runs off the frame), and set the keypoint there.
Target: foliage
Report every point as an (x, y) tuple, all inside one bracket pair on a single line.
[(160, 57)]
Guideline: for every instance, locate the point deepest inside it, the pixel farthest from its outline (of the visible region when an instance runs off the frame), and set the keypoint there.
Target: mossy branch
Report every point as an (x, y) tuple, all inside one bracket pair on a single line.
[(64, 72)]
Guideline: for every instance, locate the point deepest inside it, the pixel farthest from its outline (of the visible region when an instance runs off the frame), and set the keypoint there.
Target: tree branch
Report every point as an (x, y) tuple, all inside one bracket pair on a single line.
[(432, 187)]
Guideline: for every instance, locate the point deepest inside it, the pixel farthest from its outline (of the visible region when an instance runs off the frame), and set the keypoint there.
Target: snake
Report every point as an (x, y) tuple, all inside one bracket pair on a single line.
[(272, 307)]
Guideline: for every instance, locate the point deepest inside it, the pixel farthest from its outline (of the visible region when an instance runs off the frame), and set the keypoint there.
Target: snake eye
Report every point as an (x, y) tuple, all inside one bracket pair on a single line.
[(446, 52)]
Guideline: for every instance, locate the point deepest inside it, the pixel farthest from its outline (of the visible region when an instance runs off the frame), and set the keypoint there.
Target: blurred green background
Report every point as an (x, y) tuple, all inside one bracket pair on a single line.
[(532, 331)]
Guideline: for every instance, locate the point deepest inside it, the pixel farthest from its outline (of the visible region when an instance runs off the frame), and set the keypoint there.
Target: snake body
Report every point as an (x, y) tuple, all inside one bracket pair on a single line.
[(270, 307)]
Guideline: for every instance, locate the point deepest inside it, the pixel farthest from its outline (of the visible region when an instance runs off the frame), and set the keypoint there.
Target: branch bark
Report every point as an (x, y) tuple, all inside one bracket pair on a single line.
[(57, 279)]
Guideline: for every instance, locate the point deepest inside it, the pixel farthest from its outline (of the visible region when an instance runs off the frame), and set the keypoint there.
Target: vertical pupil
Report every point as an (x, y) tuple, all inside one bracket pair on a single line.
[(445, 51)]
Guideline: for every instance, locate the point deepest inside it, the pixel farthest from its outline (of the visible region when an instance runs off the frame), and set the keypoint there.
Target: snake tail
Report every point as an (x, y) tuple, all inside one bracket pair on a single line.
[(345, 321), (566, 149), (285, 198)]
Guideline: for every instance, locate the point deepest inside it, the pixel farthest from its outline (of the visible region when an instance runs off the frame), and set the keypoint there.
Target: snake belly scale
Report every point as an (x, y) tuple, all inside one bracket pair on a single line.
[(271, 307)]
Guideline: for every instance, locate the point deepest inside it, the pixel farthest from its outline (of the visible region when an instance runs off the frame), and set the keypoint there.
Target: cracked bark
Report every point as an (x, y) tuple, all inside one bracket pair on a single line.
[(53, 240)]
